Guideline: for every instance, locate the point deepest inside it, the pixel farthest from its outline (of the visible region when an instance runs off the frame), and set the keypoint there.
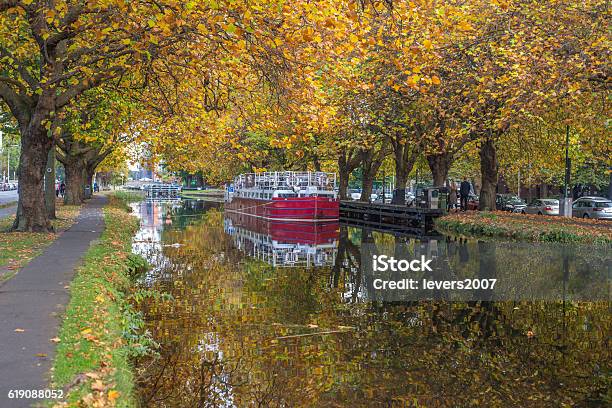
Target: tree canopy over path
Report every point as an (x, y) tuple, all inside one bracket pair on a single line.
[(226, 86)]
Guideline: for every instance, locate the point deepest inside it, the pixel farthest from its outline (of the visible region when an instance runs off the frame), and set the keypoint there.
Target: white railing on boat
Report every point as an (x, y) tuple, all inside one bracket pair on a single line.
[(286, 179)]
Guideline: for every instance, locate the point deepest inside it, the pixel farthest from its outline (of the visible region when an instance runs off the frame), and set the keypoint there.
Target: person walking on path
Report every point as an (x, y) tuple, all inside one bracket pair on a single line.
[(452, 198), (464, 192)]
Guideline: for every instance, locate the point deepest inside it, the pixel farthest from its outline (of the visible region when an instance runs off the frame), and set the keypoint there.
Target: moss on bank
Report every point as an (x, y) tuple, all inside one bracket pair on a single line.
[(101, 331), (535, 228)]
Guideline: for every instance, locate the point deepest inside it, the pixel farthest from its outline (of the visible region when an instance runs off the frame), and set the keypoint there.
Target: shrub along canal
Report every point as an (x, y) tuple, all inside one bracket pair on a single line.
[(289, 315)]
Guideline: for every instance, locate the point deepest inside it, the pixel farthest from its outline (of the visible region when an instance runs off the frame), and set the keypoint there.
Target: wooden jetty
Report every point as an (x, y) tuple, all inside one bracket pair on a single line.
[(389, 217)]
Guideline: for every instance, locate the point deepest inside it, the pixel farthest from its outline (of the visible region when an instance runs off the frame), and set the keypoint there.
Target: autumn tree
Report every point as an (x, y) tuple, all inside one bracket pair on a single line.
[(51, 54), (515, 58)]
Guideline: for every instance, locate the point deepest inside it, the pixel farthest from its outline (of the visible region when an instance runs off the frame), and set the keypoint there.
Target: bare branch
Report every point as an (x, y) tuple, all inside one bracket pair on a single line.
[(8, 4), (18, 106)]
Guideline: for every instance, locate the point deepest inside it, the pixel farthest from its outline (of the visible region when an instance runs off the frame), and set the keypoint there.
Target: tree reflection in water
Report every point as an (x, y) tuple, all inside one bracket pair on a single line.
[(241, 333)]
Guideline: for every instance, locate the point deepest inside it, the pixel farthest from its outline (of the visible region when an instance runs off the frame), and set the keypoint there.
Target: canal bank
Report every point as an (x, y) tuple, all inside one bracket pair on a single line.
[(281, 316), (533, 228), (101, 331)]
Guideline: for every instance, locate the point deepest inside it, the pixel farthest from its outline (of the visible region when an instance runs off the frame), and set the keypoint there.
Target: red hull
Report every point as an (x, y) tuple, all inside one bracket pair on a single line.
[(291, 209), (312, 233)]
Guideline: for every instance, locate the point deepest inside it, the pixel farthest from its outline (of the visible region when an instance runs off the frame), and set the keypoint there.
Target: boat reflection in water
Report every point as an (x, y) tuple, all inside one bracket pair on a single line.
[(282, 243)]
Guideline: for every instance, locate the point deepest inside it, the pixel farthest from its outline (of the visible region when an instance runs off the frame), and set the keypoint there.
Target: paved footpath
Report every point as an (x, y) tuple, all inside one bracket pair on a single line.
[(33, 301), (5, 212), (8, 196)]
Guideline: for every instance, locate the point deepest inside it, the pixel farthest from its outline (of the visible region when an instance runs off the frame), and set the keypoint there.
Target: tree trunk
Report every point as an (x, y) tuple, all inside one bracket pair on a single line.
[(406, 153), (31, 211), (343, 184), (316, 162), (347, 162), (371, 161), (50, 184), (488, 171), (89, 175), (399, 194), (403, 167), (74, 183), (367, 182), (439, 164), (344, 172), (87, 187)]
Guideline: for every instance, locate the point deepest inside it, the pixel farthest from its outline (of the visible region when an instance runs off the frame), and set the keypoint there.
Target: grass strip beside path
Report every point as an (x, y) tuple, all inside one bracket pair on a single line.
[(7, 205), (535, 228), (99, 333), (19, 248)]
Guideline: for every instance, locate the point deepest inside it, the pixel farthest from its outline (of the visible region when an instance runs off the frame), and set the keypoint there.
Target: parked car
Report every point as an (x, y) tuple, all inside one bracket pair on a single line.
[(509, 202), (388, 197), (593, 207), (8, 186), (354, 194), (542, 206)]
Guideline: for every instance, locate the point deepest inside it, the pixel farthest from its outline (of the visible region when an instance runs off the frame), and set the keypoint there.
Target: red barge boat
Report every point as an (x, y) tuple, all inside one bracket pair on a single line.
[(285, 196)]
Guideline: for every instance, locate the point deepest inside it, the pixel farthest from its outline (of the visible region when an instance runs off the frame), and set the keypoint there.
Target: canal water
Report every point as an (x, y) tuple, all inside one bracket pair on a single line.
[(284, 315)]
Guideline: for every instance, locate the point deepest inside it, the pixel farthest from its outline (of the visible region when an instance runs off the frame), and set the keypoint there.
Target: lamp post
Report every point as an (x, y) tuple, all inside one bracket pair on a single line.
[(1, 151), (8, 162), (567, 200), (567, 163), (383, 187)]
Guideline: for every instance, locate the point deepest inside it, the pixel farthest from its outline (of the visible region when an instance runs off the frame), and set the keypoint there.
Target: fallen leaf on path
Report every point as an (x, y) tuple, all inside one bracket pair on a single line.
[(113, 395), (98, 386), (41, 354), (19, 330), (55, 340)]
